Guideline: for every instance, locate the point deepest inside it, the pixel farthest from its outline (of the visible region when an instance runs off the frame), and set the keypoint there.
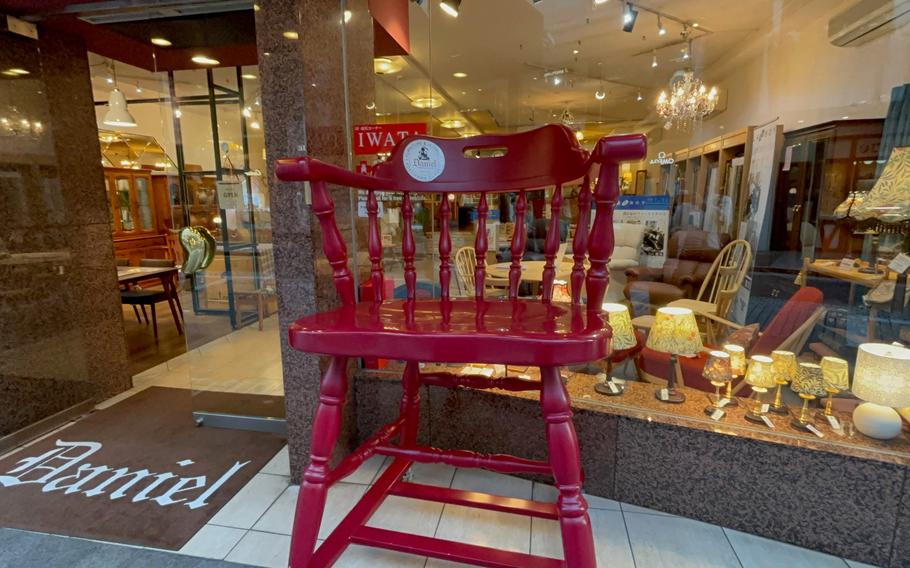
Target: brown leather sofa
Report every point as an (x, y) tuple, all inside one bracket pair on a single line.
[(689, 257)]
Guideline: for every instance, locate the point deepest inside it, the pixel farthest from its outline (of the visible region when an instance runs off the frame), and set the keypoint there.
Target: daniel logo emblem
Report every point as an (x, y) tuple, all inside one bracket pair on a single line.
[(424, 160)]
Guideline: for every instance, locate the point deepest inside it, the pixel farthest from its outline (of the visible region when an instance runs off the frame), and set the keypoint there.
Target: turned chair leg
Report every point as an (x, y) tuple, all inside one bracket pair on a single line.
[(565, 459), (410, 403), (314, 484)]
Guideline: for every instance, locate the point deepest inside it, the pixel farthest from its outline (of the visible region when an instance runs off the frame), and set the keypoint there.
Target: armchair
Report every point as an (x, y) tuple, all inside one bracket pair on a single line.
[(690, 254), (626, 252)]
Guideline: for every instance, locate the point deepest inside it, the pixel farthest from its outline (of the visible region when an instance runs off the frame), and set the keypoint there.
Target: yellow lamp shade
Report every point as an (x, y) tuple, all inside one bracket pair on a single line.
[(809, 380), (882, 374), (621, 323), (785, 365), (717, 368), (737, 358), (675, 331), (760, 374), (836, 373)]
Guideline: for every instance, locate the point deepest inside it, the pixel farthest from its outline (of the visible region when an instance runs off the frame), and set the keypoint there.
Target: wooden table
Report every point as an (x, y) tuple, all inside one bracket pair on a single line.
[(832, 269), (166, 275), (531, 270)]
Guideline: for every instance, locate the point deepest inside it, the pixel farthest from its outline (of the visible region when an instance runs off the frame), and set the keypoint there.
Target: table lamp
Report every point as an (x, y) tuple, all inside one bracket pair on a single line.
[(882, 380), (836, 376), (674, 331), (760, 375), (808, 384), (717, 371), (623, 338), (785, 367), (737, 367)]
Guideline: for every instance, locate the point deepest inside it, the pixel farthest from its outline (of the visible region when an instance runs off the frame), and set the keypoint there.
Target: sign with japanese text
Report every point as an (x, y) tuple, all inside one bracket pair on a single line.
[(376, 138)]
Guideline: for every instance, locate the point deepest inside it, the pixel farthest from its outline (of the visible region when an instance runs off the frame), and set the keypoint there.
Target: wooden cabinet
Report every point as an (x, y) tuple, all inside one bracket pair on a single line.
[(135, 215)]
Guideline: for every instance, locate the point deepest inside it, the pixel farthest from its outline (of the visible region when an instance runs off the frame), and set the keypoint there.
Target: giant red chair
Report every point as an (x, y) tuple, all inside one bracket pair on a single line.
[(513, 331)]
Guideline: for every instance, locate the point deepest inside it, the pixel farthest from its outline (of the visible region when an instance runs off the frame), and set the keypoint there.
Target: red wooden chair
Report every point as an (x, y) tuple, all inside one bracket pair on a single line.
[(513, 332)]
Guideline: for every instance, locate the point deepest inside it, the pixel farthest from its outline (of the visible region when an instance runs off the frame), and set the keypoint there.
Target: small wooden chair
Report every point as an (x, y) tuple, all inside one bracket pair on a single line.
[(527, 332), (465, 266)]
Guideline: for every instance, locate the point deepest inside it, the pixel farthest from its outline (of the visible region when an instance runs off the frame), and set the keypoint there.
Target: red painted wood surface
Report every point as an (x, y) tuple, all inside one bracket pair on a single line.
[(551, 246), (480, 247), (515, 331), (375, 247)]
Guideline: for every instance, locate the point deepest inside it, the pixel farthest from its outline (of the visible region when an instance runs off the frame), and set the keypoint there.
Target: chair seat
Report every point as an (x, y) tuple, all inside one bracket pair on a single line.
[(515, 332), (146, 297)]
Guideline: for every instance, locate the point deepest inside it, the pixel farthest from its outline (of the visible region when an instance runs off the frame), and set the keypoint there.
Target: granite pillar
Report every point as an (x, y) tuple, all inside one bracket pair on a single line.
[(317, 79), (61, 341)]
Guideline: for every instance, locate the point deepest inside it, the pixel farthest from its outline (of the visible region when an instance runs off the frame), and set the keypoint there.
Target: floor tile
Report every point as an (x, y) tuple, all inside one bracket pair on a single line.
[(548, 493), (366, 473), (757, 552), (626, 508), (484, 481), (412, 516), (365, 557), (855, 564), (660, 541), (213, 541), (279, 465), (432, 474), (280, 516), (262, 549), (611, 542), (485, 528), (245, 508)]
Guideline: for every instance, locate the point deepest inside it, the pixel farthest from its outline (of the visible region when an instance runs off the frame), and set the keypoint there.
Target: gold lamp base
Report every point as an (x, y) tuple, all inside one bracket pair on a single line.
[(805, 417), (778, 406)]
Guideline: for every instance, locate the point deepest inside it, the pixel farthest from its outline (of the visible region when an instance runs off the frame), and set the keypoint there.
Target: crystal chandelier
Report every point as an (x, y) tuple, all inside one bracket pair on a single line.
[(688, 102)]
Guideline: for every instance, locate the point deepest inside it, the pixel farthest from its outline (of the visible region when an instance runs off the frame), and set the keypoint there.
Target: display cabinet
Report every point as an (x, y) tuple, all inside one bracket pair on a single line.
[(135, 215)]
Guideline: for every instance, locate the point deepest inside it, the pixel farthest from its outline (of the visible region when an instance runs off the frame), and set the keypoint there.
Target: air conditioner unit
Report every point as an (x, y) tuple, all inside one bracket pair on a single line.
[(867, 20)]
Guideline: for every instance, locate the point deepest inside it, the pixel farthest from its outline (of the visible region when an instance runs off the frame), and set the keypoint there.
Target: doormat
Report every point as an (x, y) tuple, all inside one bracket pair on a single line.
[(139, 472)]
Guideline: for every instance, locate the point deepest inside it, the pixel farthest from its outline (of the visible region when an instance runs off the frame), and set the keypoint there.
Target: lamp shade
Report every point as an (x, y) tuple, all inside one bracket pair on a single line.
[(621, 323), (889, 199), (882, 374), (737, 358), (717, 368), (760, 374), (675, 331), (784, 365), (836, 373), (809, 380), (117, 112)]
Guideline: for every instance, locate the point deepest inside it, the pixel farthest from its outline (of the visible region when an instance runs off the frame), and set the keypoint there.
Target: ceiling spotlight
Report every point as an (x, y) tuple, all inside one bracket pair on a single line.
[(557, 80), (450, 7), (249, 76), (385, 66), (453, 123), (348, 15), (247, 112), (459, 75), (161, 42), (600, 95), (138, 88), (694, 24), (255, 125), (654, 59), (574, 52), (291, 34), (426, 102), (687, 51), (599, 2), (204, 60), (178, 113), (109, 80), (629, 15), (639, 97), (661, 30)]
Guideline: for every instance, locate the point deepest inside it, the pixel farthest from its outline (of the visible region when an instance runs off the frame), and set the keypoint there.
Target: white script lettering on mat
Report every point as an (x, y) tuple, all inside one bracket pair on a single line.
[(64, 469)]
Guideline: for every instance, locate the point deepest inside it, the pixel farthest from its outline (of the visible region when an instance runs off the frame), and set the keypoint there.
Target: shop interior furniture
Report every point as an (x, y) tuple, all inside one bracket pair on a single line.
[(760, 377), (465, 267), (789, 330), (674, 333), (690, 254), (626, 254), (809, 385), (165, 271), (528, 332), (627, 342), (882, 381), (139, 220)]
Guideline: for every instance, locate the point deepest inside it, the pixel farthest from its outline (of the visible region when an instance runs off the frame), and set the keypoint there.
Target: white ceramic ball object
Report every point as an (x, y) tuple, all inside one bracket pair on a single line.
[(877, 421)]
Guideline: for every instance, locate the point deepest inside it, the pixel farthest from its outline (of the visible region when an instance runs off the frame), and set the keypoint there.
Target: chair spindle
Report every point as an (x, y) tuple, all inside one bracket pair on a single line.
[(551, 245), (407, 246), (518, 244), (480, 248), (580, 241), (600, 243), (375, 248), (445, 248), (333, 243)]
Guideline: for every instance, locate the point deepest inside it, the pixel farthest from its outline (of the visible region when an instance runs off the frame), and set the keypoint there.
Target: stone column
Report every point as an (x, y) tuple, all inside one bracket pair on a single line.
[(305, 58)]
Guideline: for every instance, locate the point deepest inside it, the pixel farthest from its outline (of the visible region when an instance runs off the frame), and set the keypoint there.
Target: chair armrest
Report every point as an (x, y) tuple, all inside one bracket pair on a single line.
[(642, 273), (310, 169), (721, 320)]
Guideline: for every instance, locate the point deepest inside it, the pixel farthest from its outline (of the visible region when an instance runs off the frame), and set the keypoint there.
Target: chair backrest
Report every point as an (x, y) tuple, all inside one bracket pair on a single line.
[(796, 318), (547, 156), (726, 276), (465, 263)]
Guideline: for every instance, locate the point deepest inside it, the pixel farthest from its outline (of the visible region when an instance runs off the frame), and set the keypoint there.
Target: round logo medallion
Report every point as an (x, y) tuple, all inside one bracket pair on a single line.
[(424, 160)]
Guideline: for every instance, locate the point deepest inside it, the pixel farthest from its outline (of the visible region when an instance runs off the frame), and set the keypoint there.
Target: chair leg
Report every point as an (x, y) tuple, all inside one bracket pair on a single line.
[(145, 315), (136, 311), (154, 321), (410, 403), (314, 485), (565, 459)]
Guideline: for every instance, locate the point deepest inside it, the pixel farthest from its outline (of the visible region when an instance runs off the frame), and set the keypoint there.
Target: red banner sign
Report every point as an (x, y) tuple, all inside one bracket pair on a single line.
[(375, 138)]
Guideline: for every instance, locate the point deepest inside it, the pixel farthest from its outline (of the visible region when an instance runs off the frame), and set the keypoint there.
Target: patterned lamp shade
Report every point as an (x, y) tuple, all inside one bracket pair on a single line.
[(889, 199), (760, 374), (785, 365), (675, 331), (737, 358), (836, 373), (621, 322), (717, 368), (882, 374), (809, 380)]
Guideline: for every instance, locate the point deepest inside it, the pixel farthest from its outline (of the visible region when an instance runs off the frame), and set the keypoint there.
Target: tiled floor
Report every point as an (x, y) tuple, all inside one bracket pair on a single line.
[(254, 528)]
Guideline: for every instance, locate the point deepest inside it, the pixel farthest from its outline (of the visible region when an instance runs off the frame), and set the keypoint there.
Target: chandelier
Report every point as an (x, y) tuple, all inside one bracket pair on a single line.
[(688, 102)]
